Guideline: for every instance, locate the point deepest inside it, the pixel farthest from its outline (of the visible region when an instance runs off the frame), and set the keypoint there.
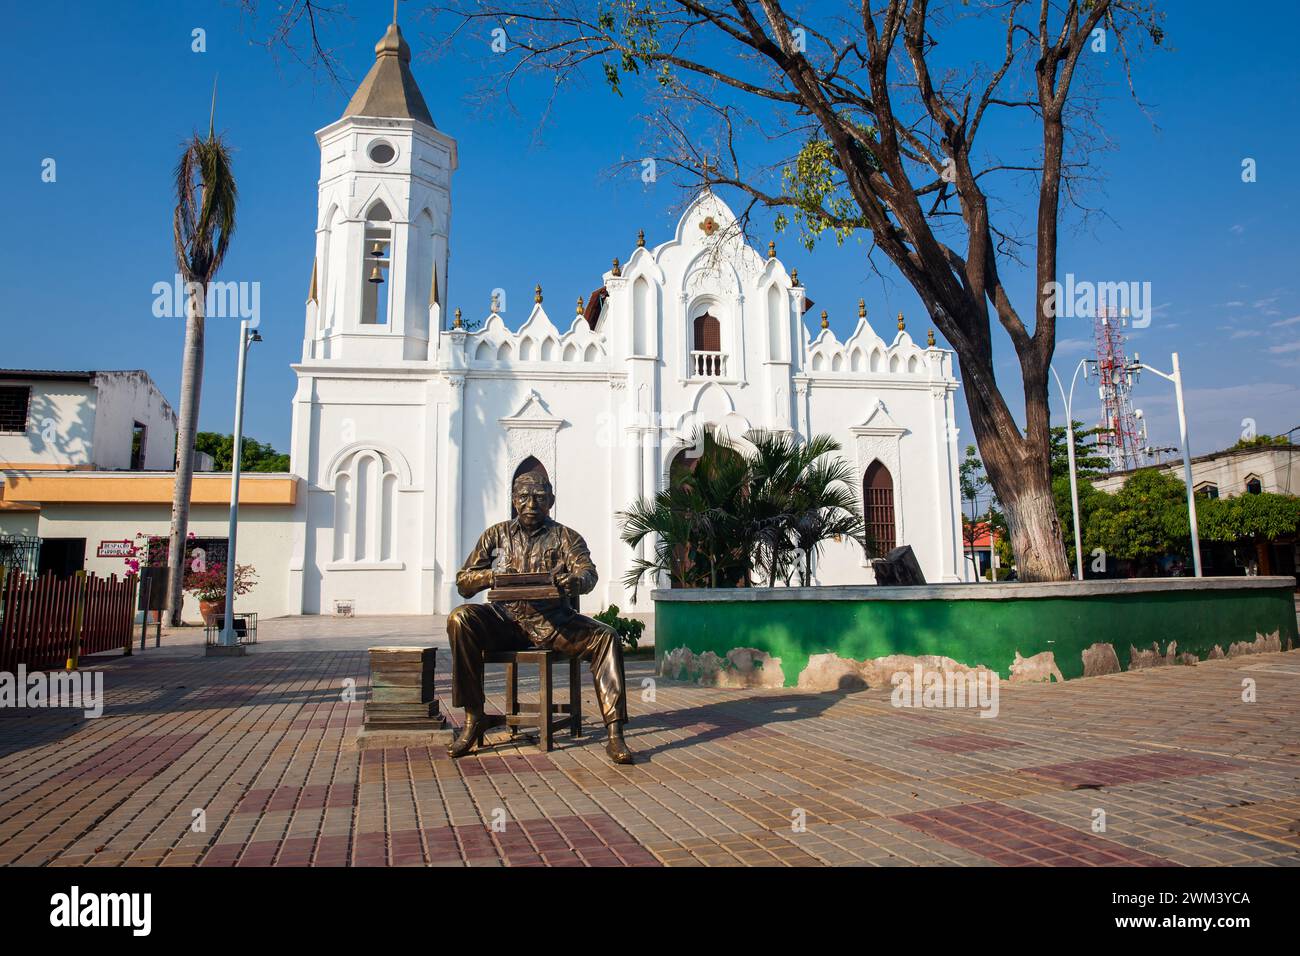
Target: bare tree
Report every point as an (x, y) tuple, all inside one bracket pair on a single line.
[(880, 136)]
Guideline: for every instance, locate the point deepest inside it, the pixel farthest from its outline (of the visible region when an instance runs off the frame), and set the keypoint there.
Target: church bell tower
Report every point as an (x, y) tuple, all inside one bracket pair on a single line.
[(379, 280)]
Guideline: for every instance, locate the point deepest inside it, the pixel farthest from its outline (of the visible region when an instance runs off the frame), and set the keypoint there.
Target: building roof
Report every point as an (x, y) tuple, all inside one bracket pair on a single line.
[(389, 89), (44, 375), (1177, 463)]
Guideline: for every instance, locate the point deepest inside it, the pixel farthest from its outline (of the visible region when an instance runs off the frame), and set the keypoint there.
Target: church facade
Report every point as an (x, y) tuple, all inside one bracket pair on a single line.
[(408, 427)]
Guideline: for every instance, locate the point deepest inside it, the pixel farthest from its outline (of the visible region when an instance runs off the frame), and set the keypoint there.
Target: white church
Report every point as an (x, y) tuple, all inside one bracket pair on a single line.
[(409, 422)]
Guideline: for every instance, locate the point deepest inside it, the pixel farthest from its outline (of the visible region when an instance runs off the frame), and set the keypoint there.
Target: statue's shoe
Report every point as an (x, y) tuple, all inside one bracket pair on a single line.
[(618, 751), (470, 737)]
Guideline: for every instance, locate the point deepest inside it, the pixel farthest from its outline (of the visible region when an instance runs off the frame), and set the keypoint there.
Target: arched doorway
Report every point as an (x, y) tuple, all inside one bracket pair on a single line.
[(878, 502), (685, 463), (529, 465)]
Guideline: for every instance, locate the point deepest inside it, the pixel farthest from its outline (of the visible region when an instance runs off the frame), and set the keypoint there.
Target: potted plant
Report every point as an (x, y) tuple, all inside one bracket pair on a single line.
[(208, 585)]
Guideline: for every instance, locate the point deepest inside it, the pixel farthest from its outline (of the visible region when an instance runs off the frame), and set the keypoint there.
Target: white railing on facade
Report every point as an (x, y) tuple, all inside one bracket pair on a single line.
[(709, 364)]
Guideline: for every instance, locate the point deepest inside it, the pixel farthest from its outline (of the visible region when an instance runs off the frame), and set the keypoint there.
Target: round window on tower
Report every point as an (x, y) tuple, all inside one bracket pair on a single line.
[(382, 152)]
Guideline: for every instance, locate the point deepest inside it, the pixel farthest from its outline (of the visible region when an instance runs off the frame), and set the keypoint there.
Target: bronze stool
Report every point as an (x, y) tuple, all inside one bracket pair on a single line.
[(543, 713)]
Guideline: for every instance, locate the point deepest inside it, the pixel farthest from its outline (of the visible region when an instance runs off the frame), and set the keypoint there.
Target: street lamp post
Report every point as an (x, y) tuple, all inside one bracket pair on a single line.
[(1176, 376), (1086, 365), (247, 337)]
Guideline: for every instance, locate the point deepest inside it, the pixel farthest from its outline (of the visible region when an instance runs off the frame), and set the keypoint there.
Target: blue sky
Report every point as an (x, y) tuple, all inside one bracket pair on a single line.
[(109, 91)]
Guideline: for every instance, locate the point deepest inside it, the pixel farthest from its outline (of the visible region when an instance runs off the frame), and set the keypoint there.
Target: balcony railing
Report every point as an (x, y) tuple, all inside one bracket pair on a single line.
[(709, 364)]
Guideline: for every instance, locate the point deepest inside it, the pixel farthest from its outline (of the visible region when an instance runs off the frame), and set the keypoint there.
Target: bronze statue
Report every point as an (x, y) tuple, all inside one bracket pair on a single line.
[(530, 544)]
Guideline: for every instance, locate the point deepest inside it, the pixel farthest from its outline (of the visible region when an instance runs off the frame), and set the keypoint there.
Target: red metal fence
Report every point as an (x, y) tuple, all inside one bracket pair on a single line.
[(46, 621)]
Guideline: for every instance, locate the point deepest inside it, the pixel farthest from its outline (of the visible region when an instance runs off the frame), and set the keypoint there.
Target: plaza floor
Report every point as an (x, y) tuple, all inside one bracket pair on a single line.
[(252, 761)]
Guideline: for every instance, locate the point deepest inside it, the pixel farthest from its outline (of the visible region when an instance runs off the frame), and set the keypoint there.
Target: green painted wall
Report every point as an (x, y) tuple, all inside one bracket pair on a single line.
[(975, 631)]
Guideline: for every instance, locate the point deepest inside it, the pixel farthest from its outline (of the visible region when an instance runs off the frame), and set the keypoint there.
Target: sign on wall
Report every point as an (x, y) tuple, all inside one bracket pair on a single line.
[(115, 549)]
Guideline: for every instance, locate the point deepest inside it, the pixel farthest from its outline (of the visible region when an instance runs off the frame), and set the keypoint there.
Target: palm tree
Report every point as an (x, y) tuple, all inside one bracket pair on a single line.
[(803, 497), (202, 225), (699, 524), (772, 510)]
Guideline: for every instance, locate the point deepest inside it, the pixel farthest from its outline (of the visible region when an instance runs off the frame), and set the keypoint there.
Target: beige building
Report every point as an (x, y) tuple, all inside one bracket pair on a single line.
[(1237, 471)]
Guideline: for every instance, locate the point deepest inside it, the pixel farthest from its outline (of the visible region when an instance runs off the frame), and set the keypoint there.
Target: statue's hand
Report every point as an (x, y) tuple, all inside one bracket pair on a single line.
[(566, 582)]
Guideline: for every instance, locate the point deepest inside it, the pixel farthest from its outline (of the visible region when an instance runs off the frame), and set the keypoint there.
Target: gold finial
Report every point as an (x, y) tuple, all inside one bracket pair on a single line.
[(794, 277), (901, 325), (826, 323), (456, 323), (617, 269), (862, 308), (537, 293), (929, 339), (640, 238), (580, 305), (771, 250)]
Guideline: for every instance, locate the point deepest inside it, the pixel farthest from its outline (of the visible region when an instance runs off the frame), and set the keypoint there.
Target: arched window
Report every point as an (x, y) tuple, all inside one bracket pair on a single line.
[(642, 310), (529, 466), (376, 260), (707, 358), (1253, 485), (365, 506), (878, 497), (776, 324)]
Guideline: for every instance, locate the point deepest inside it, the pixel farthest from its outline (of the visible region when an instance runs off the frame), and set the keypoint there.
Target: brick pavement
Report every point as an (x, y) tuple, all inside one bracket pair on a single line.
[(260, 751)]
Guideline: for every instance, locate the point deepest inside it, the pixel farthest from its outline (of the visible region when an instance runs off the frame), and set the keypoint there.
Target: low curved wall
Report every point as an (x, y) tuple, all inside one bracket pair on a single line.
[(824, 637)]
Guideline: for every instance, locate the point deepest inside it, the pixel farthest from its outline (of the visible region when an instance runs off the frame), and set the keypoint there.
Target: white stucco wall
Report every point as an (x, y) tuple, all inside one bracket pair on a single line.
[(60, 426), (80, 424), (265, 534)]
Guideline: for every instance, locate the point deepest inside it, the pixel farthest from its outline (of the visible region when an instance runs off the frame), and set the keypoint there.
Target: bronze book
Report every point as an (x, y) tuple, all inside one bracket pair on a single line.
[(524, 587)]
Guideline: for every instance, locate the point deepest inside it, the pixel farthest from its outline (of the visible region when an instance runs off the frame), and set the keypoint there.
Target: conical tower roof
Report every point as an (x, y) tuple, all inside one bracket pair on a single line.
[(389, 89)]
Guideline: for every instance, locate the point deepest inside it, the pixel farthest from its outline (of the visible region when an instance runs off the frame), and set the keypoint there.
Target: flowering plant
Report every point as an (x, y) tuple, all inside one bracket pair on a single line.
[(209, 584), (143, 553)]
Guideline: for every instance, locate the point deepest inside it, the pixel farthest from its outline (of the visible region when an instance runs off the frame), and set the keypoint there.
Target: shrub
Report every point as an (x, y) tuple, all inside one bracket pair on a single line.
[(628, 629)]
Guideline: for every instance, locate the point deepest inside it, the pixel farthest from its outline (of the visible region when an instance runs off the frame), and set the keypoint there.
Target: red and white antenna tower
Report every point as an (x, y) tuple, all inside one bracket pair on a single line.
[(1120, 442)]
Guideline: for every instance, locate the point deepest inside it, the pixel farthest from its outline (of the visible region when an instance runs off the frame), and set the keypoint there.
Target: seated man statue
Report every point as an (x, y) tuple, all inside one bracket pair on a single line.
[(532, 543)]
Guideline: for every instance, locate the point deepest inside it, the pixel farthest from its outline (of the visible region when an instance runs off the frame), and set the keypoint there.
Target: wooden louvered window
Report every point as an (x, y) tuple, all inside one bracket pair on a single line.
[(708, 334), (878, 500), (707, 358)]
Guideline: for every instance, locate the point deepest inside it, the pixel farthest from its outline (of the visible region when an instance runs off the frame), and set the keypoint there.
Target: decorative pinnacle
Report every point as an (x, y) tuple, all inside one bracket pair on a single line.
[(640, 238), (537, 293), (862, 308), (580, 305), (826, 323), (794, 277), (901, 324), (929, 339), (456, 323), (617, 269), (771, 250)]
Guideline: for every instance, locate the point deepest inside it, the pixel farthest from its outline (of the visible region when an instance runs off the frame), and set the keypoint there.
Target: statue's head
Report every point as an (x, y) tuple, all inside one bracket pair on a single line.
[(533, 499)]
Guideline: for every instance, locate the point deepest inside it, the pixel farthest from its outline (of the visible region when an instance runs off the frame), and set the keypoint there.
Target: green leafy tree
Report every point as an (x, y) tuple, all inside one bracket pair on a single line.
[(1261, 441), (1087, 463), (974, 483), (256, 456), (1262, 517), (1146, 519)]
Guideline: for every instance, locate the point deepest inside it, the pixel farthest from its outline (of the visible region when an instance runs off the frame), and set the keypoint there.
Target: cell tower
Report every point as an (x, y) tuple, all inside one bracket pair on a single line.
[(1120, 442)]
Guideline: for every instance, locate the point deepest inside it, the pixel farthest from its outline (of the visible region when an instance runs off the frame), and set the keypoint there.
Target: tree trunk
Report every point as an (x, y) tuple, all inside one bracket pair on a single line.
[(1019, 469), (186, 429)]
